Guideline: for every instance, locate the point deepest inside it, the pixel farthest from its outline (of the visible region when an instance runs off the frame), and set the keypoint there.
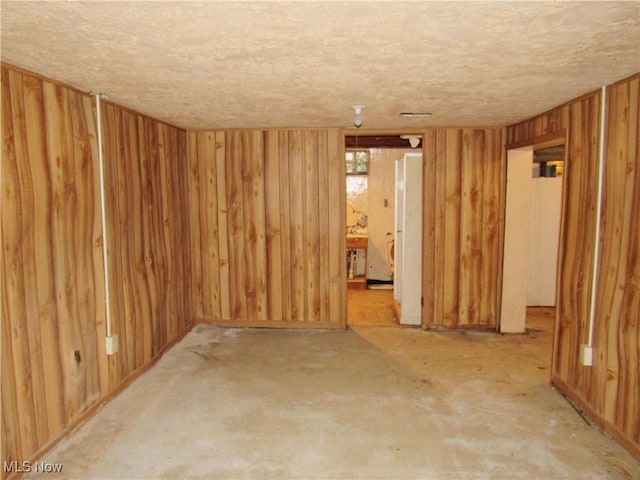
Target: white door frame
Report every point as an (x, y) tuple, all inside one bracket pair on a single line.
[(513, 310), (515, 265), (408, 290)]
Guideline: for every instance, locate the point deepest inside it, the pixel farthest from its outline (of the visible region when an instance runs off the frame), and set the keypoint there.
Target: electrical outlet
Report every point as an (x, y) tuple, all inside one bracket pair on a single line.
[(586, 355), (112, 344)]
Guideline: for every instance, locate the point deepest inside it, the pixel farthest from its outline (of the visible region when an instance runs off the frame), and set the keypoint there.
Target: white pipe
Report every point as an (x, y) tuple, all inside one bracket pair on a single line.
[(103, 211), (596, 252)]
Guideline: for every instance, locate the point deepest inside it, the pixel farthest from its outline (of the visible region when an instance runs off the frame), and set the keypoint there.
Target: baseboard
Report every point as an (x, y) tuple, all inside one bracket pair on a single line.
[(587, 410), (271, 324), (92, 409)]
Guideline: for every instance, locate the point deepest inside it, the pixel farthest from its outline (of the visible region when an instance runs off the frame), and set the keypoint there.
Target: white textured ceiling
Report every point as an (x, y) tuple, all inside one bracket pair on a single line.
[(304, 64)]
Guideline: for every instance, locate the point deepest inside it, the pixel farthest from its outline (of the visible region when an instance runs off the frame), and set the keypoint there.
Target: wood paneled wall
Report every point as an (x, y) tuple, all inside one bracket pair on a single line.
[(608, 391), (52, 293), (52, 268), (618, 294), (463, 208), (149, 237), (267, 222)]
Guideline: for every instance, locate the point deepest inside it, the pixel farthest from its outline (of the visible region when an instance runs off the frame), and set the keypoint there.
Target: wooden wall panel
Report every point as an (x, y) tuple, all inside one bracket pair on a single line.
[(618, 307), (52, 293), (336, 194), (470, 272), (324, 224), (274, 231), (296, 222), (548, 123), (452, 172), (311, 226), (146, 176), (286, 290), (284, 224), (209, 245), (579, 230), (52, 267), (430, 220), (608, 391), (493, 198), (222, 232), (463, 204)]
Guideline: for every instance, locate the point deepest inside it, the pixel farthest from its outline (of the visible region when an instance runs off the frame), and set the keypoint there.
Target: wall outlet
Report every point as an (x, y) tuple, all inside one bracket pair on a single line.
[(112, 344), (586, 355)]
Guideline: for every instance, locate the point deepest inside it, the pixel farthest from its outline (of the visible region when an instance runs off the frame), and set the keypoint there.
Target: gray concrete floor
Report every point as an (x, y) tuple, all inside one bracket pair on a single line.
[(371, 402)]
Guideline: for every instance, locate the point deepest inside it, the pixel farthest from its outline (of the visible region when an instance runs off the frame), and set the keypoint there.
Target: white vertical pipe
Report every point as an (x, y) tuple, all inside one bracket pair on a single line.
[(596, 252), (103, 211)]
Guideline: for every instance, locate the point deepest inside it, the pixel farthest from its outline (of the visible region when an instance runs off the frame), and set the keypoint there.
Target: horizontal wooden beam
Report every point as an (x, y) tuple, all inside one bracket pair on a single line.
[(376, 141)]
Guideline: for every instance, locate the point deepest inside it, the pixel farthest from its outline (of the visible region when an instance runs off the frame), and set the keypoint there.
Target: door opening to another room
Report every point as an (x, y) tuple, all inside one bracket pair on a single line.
[(534, 199), (371, 238)]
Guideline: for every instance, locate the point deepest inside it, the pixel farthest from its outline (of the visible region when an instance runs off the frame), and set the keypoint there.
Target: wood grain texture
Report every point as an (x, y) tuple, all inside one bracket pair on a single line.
[(450, 279), (493, 198), (337, 198), (619, 269), (472, 164), (429, 224), (463, 204), (284, 226), (273, 226), (223, 237), (52, 267), (146, 177), (609, 390), (51, 262)]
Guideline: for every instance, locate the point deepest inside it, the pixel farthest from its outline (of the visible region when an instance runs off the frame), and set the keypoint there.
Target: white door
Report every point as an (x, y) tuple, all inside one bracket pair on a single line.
[(398, 238), (408, 241)]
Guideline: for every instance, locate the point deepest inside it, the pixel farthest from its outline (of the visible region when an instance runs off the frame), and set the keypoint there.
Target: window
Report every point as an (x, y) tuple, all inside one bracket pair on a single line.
[(357, 162)]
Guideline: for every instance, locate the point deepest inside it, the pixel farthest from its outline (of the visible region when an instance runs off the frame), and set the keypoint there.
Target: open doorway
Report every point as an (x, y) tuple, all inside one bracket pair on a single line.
[(534, 202), (370, 165)]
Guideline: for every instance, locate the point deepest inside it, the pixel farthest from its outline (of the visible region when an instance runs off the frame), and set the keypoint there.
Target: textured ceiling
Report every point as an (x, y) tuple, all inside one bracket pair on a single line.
[(304, 64)]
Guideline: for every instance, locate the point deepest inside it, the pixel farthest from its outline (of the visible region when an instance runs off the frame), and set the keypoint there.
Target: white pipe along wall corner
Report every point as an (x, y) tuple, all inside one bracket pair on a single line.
[(111, 340), (586, 350)]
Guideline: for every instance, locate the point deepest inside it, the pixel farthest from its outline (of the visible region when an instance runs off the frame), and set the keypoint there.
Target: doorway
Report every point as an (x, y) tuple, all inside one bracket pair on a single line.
[(370, 165), (534, 203)]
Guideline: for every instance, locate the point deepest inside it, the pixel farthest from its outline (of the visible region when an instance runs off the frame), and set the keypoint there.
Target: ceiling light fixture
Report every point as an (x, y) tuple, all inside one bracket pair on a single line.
[(357, 118), (415, 114)]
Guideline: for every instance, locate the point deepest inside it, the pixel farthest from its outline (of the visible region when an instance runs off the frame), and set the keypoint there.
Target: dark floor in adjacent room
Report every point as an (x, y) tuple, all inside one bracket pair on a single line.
[(376, 402)]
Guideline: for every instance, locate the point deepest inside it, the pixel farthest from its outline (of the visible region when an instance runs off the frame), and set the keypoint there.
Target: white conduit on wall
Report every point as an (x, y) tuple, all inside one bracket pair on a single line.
[(111, 342), (596, 252)]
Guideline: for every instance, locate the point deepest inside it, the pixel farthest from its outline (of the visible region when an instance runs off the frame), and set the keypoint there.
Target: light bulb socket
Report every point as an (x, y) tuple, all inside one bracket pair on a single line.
[(357, 118)]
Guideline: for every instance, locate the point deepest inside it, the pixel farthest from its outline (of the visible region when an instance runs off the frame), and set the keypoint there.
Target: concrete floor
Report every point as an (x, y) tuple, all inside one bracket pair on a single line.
[(370, 402)]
